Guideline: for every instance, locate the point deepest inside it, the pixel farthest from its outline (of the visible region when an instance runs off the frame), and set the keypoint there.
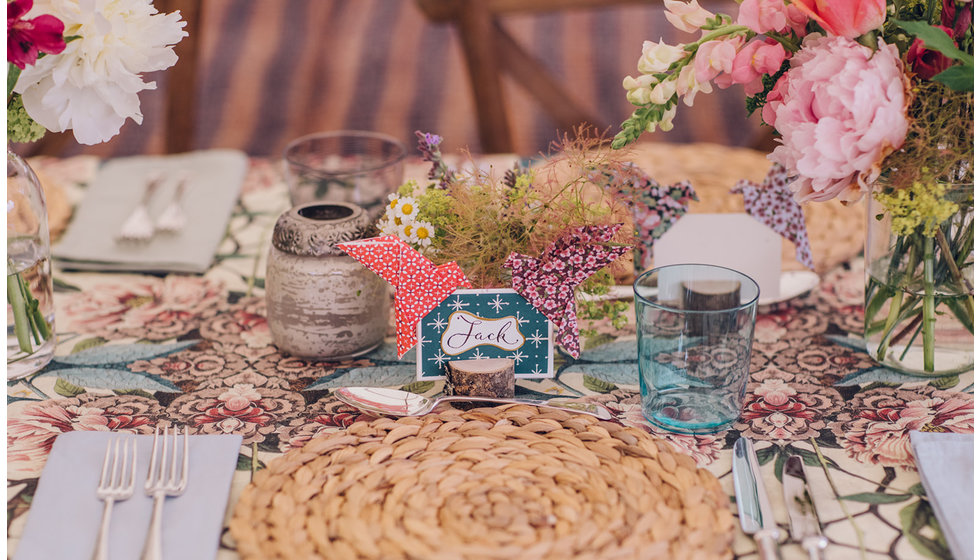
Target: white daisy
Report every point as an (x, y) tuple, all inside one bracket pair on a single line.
[(423, 233), (407, 208)]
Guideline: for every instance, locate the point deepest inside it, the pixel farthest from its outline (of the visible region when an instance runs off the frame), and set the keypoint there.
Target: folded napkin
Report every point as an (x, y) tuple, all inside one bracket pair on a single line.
[(64, 517), (945, 464), (214, 180)]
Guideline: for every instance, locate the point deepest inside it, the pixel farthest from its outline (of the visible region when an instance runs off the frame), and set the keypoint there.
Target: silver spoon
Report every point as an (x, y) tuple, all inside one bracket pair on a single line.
[(392, 402)]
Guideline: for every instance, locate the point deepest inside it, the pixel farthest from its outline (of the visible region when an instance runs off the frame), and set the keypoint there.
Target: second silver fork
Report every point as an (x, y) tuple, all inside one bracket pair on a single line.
[(165, 478)]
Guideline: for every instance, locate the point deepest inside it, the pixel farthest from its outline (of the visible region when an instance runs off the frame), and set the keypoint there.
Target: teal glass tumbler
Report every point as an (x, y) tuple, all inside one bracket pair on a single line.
[(694, 326)]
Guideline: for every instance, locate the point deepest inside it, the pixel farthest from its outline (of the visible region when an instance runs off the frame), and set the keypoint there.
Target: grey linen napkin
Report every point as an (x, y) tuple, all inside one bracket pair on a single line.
[(945, 463), (64, 517), (214, 181)]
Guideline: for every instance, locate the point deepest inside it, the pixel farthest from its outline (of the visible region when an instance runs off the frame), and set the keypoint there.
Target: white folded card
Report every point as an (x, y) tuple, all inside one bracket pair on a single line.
[(214, 181), (64, 518)]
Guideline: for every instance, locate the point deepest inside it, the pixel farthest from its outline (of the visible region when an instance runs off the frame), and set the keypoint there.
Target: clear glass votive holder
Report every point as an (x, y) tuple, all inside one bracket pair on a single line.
[(358, 167), (694, 325)]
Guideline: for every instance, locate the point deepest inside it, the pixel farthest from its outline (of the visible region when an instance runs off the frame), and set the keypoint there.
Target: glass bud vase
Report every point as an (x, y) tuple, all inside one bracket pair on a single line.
[(919, 288), (30, 303)]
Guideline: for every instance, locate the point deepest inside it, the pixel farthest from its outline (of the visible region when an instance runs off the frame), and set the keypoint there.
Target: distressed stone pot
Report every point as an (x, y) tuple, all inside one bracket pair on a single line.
[(320, 302)]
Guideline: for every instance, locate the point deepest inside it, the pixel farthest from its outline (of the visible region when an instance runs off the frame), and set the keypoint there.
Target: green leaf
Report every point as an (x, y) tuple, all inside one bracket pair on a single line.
[(958, 78), (947, 382), (66, 389), (876, 498), (136, 392), (915, 517), (88, 343), (13, 72), (934, 39), (245, 463), (597, 385), (419, 387), (767, 454)]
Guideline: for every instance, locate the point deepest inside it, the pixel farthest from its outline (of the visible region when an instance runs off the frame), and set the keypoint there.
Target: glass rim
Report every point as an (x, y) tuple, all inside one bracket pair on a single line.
[(358, 134), (740, 307)]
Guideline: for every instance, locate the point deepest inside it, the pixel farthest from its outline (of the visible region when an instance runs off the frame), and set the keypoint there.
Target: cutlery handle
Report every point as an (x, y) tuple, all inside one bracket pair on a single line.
[(102, 542), (153, 547), (768, 541), (592, 409), (814, 546)]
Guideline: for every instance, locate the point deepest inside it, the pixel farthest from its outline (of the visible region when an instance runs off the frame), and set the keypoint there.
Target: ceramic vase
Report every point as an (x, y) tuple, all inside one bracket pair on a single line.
[(320, 302)]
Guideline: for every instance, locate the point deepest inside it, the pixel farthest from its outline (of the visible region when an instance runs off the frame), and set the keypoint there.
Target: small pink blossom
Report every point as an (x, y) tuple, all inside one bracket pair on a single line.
[(715, 57), (753, 61), (762, 16), (688, 85), (686, 16), (841, 111), (845, 18)]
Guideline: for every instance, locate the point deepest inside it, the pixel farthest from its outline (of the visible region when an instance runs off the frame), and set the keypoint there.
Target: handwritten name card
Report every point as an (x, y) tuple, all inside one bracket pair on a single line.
[(485, 324)]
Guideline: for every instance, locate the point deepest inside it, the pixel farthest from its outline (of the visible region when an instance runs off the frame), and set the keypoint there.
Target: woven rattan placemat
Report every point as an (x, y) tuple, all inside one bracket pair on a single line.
[(496, 483)]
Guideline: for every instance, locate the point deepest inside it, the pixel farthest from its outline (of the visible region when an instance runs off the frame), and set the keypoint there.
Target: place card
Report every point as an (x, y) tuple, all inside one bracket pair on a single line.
[(735, 241), (485, 324)]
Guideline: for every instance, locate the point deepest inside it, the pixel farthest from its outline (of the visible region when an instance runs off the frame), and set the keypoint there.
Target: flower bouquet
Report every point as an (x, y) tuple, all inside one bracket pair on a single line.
[(70, 65), (867, 97), (549, 235)]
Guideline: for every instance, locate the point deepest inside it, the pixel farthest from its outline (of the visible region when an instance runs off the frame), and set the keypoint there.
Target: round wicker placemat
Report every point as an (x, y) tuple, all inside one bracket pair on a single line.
[(496, 483)]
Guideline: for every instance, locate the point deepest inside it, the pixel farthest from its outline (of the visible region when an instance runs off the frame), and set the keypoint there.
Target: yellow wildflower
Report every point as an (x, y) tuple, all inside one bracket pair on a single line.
[(920, 207)]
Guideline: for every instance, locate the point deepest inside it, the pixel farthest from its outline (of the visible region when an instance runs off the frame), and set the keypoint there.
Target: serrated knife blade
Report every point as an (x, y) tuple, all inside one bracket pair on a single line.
[(754, 509), (803, 522)]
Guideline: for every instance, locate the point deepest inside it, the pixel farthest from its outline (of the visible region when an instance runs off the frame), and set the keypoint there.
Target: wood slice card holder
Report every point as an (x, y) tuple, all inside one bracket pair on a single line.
[(509, 483), (481, 378)]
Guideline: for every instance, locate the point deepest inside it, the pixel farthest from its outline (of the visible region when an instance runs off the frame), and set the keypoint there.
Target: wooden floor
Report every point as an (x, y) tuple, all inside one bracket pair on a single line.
[(273, 70)]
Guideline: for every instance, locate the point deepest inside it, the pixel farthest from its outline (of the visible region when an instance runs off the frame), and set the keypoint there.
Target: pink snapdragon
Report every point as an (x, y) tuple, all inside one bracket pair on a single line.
[(846, 18), (755, 59), (688, 85), (716, 57), (839, 112), (763, 16), (686, 16)]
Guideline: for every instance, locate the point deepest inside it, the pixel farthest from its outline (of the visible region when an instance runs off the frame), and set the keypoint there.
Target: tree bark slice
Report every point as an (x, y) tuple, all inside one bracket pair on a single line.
[(481, 378)]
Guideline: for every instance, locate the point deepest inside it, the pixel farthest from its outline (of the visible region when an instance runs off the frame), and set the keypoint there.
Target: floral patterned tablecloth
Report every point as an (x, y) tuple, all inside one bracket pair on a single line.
[(135, 350)]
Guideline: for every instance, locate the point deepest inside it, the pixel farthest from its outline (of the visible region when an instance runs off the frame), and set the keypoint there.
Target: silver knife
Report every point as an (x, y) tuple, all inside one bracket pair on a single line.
[(754, 511), (803, 523)]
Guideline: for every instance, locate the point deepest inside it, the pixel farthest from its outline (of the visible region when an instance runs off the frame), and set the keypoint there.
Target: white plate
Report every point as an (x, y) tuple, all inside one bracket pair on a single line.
[(792, 283)]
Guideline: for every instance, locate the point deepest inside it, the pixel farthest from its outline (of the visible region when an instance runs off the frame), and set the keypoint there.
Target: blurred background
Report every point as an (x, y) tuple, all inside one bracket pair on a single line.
[(487, 75)]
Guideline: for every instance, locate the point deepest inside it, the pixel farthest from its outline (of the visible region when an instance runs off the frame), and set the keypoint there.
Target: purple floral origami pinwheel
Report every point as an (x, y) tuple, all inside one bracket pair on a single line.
[(772, 204), (655, 207), (548, 283)]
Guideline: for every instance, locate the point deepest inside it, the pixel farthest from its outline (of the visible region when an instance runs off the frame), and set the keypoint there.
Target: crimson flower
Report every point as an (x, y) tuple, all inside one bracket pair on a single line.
[(927, 63), (957, 17), (27, 37)]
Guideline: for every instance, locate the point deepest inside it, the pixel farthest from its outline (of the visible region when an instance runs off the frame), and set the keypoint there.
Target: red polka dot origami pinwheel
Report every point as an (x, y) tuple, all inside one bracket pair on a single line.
[(419, 284), (772, 204), (549, 282)]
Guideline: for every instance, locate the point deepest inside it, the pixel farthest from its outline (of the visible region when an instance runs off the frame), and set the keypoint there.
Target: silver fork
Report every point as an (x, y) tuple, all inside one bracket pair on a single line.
[(163, 480), (139, 225), (172, 219), (116, 484)]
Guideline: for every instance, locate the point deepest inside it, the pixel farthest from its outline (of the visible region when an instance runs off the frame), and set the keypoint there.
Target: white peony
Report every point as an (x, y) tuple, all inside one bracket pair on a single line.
[(92, 87)]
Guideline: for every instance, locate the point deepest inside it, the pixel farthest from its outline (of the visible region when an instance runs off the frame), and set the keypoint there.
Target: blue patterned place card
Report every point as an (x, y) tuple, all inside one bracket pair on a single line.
[(477, 324)]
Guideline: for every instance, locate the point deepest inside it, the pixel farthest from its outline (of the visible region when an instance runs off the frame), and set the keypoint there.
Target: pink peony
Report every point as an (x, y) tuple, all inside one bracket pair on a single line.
[(840, 111), (845, 18), (762, 16)]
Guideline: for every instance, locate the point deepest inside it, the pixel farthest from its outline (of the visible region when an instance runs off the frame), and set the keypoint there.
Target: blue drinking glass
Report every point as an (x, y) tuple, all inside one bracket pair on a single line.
[(694, 325)]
